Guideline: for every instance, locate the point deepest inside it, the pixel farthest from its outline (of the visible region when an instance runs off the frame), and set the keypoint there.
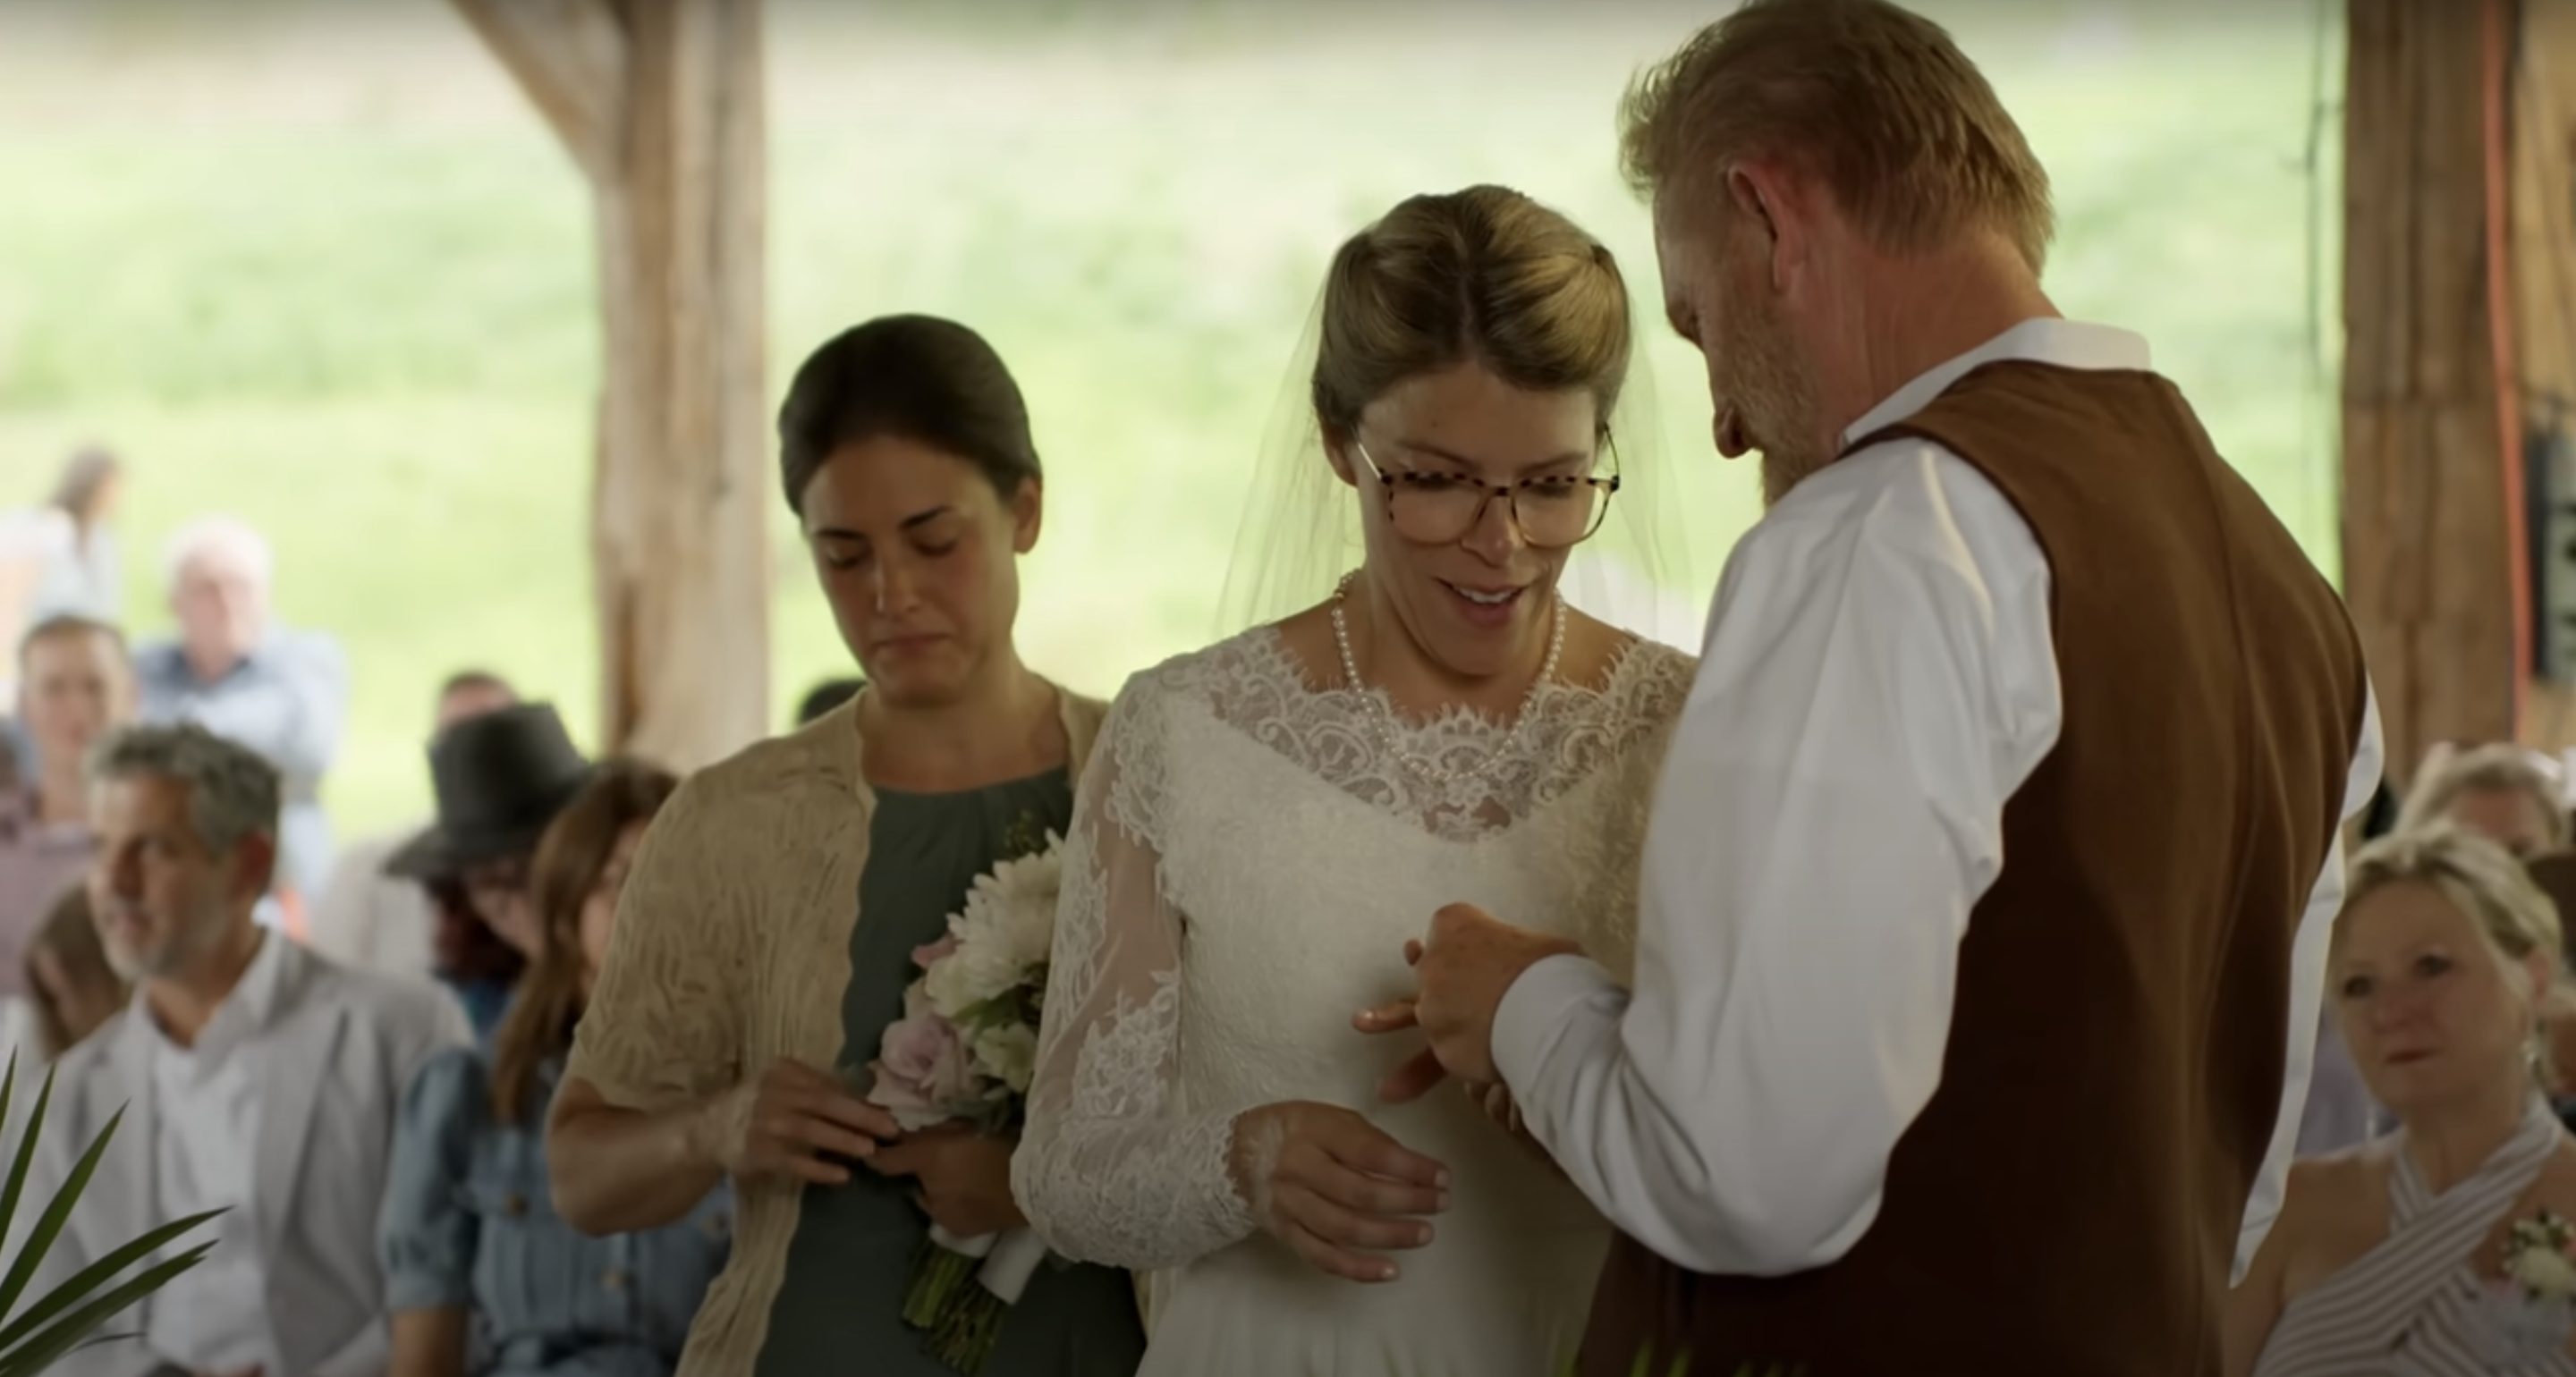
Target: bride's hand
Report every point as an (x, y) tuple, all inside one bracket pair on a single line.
[(1334, 1187)]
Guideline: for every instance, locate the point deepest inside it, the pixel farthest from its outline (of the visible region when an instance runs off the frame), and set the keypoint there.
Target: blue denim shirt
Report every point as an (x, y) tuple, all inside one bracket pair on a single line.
[(468, 1222)]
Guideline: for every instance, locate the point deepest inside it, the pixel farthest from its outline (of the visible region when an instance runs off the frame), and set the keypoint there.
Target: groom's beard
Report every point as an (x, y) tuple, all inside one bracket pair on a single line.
[(1774, 397)]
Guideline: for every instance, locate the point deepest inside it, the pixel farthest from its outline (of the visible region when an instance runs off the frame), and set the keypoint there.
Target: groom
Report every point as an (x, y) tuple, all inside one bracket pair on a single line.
[(1983, 912)]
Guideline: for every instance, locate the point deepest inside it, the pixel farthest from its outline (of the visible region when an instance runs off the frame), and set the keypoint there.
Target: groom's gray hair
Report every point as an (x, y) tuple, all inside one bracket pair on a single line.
[(1875, 101)]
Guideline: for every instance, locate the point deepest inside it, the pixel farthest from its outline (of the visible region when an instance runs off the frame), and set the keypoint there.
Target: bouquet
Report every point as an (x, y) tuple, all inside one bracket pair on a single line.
[(2529, 1312), (965, 1050)]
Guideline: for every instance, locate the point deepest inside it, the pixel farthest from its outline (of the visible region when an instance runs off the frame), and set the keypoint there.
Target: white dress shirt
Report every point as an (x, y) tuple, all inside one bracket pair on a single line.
[(1879, 677), (214, 1317)]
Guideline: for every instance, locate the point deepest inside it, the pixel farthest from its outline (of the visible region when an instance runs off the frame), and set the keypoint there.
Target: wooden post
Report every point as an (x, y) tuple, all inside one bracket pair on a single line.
[(2543, 248), (2427, 569), (660, 104)]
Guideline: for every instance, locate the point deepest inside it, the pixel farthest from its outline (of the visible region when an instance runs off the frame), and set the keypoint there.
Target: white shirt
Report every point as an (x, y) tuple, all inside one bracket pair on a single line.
[(1879, 672), (214, 1317)]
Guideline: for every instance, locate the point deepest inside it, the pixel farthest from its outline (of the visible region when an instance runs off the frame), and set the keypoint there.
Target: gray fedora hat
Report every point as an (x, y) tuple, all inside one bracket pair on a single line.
[(500, 778)]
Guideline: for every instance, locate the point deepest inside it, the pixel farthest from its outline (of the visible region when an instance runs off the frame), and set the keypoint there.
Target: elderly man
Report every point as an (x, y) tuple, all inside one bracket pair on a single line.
[(254, 1076), (233, 670), (1984, 906)]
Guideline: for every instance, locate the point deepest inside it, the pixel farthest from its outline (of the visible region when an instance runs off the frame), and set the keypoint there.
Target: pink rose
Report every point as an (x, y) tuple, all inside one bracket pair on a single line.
[(922, 1071), (936, 952)]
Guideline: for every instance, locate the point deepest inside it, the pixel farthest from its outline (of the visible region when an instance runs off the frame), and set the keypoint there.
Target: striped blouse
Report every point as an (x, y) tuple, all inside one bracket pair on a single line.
[(2414, 1305)]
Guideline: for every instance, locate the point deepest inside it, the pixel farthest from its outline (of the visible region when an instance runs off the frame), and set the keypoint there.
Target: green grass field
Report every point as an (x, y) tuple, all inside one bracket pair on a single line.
[(318, 265)]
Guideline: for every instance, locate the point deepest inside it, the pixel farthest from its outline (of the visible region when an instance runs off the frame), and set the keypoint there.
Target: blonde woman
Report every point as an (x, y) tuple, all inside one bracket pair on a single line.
[(2393, 1257)]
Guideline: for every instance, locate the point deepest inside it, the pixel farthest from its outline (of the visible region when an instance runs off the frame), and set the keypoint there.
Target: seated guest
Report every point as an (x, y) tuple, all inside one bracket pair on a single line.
[(71, 988), (2508, 794), (71, 991), (239, 674), (2513, 797), (61, 557), (471, 1242), (254, 1077), (2385, 1257), (74, 686), (470, 960), (500, 777), (381, 922)]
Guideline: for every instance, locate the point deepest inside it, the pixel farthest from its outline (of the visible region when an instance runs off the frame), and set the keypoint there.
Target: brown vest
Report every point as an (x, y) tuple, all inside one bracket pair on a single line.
[(2068, 1203)]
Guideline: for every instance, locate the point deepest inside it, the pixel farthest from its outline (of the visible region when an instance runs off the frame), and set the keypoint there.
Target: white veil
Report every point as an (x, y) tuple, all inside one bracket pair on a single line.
[(1300, 530)]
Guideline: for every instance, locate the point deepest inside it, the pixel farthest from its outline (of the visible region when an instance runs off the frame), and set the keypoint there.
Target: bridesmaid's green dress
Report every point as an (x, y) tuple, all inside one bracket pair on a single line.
[(838, 1312)]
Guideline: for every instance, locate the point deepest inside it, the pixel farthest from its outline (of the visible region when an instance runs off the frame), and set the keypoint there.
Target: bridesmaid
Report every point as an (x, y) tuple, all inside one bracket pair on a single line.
[(767, 936), (481, 1275)]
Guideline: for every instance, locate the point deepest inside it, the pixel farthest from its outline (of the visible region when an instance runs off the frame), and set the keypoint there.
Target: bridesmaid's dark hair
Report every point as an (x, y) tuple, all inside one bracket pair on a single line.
[(569, 861), (919, 378)]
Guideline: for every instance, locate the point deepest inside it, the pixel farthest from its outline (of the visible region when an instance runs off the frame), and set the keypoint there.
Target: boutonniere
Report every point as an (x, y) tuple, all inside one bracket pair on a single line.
[(2529, 1312), (2540, 1256)]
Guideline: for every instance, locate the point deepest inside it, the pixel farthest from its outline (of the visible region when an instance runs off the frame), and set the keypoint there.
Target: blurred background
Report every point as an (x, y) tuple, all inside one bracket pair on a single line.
[(317, 264)]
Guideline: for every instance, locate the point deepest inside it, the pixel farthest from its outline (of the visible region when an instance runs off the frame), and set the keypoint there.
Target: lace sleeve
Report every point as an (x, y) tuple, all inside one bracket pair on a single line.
[(1110, 1168)]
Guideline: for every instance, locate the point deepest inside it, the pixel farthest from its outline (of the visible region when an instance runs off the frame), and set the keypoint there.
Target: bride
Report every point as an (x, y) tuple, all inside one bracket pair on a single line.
[(1265, 819)]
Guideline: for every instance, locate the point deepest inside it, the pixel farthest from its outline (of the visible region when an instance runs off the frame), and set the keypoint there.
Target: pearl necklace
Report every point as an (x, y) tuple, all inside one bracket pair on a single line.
[(1382, 711)]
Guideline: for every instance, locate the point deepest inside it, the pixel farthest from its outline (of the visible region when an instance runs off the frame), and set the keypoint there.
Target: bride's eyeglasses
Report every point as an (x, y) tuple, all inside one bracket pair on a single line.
[(1552, 511)]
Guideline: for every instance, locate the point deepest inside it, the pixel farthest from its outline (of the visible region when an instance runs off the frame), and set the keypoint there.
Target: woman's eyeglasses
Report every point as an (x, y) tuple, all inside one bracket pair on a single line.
[(1552, 512)]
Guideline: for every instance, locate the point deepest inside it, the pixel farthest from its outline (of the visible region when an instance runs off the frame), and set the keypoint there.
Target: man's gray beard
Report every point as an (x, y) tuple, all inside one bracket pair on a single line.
[(173, 957)]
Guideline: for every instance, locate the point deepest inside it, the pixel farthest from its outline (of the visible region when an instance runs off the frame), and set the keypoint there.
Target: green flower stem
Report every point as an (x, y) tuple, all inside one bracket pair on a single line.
[(961, 1319)]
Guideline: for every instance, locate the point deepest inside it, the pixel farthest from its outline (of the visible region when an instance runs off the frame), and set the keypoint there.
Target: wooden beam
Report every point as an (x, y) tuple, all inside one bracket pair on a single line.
[(2426, 565), (683, 484), (569, 56)]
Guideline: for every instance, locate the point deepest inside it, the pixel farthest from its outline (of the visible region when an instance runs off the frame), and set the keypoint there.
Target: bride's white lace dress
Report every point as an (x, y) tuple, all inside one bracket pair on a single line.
[(1249, 856)]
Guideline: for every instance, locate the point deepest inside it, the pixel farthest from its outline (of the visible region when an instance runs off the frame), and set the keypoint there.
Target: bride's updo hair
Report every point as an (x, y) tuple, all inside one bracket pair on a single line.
[(1485, 275)]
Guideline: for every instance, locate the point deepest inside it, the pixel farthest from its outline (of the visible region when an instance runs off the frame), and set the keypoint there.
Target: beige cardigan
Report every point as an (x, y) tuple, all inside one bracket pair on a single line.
[(732, 950)]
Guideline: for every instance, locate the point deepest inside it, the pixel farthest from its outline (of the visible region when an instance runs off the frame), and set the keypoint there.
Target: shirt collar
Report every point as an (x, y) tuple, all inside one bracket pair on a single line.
[(2065, 343), (244, 1012), (174, 659)]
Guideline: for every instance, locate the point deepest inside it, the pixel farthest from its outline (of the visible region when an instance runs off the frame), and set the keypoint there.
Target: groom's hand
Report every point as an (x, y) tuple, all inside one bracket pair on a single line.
[(1467, 965)]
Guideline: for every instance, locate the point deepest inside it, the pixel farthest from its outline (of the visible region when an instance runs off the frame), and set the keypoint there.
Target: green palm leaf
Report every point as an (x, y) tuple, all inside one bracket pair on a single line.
[(66, 1317), (20, 1160), (58, 1211), (73, 1331), (94, 1276)]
